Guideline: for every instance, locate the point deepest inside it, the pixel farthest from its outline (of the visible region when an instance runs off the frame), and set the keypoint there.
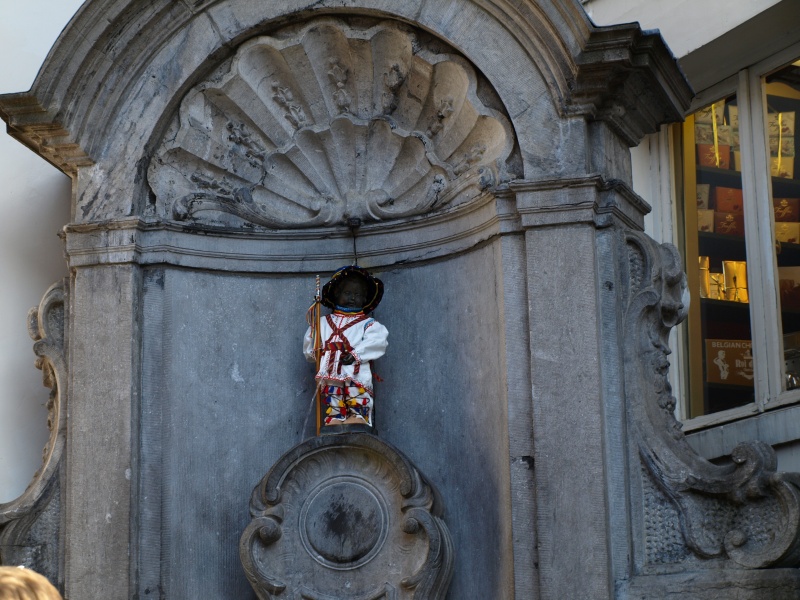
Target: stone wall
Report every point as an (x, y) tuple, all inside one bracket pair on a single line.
[(224, 153)]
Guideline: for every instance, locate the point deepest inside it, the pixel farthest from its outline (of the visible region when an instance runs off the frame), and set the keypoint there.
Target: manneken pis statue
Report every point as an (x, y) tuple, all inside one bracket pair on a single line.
[(351, 340)]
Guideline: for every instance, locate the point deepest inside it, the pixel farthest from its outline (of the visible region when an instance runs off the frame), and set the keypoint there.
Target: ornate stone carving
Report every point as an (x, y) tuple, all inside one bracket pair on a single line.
[(327, 121), (444, 109), (626, 78), (393, 79), (346, 516), (294, 112), (25, 536), (338, 75), (744, 512)]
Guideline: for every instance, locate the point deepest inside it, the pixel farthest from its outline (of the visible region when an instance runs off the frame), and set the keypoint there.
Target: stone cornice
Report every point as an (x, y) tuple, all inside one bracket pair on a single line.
[(590, 199), (629, 79), (107, 58), (28, 122), (510, 209), (151, 241)]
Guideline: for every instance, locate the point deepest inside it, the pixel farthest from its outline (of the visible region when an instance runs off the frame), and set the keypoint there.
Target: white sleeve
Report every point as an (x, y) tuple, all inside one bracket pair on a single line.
[(308, 345), (374, 343)]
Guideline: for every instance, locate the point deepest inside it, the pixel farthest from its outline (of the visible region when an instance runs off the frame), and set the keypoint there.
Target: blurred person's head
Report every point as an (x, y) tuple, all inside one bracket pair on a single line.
[(17, 583)]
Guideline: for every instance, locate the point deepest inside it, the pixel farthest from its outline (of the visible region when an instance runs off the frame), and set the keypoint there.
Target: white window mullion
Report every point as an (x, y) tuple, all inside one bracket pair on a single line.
[(660, 224), (759, 225)]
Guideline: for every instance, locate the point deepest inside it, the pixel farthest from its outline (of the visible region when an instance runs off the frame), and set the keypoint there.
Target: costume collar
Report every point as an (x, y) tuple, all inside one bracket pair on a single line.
[(340, 310)]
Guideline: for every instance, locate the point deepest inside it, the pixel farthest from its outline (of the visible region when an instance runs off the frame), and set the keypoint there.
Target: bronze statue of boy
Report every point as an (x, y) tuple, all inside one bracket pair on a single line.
[(349, 340)]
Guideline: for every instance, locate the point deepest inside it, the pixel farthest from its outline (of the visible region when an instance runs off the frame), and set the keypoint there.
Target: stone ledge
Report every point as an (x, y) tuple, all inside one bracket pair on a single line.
[(29, 123), (146, 242), (589, 199), (776, 584), (629, 79)]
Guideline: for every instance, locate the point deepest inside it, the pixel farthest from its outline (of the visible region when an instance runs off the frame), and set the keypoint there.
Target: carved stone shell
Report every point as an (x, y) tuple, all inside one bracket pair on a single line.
[(329, 121)]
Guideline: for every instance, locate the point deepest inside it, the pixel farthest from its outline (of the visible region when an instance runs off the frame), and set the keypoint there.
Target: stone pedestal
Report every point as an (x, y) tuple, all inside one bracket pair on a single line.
[(347, 516)]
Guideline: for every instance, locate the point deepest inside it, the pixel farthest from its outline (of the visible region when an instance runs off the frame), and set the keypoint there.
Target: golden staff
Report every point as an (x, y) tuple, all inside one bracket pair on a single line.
[(318, 349)]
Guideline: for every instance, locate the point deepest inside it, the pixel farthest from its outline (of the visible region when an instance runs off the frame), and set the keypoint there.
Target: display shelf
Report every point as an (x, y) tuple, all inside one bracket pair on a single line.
[(725, 309), (722, 177), (777, 103), (790, 320), (781, 187), (788, 255), (726, 319), (719, 247)]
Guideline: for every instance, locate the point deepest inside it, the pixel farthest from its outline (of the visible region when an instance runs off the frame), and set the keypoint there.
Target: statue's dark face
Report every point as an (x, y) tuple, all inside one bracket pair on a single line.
[(352, 293)]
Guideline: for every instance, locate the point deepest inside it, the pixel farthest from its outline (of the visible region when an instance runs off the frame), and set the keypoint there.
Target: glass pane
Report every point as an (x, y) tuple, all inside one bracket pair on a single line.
[(783, 104), (720, 356)]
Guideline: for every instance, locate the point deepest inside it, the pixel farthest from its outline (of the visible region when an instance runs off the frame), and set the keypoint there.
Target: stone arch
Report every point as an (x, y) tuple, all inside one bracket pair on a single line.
[(136, 59)]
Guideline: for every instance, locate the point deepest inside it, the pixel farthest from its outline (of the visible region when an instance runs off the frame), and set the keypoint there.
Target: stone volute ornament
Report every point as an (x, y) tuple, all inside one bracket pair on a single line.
[(29, 524), (329, 121), (346, 516), (743, 513)]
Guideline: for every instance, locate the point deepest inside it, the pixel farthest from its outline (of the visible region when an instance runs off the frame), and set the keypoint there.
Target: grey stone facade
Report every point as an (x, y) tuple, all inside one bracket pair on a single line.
[(216, 148)]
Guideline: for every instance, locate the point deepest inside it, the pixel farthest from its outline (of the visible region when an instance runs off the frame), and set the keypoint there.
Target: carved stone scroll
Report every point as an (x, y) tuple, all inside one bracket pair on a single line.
[(29, 525), (346, 516), (744, 512), (330, 121)]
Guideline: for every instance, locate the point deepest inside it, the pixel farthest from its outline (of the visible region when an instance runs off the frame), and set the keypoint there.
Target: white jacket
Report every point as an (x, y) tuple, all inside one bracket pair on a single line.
[(365, 338)]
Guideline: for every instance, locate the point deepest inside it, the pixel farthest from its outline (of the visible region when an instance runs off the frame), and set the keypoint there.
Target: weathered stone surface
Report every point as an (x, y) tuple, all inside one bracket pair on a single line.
[(101, 470), (226, 392), (31, 525), (346, 515), (572, 511), (528, 318), (776, 584), (328, 121)]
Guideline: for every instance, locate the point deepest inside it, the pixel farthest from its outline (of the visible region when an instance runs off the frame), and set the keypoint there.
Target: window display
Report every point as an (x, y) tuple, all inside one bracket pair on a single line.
[(742, 237), (721, 365), (783, 104)]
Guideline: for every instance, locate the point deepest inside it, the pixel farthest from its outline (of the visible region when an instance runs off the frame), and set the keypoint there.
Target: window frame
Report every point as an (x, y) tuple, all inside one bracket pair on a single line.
[(748, 85)]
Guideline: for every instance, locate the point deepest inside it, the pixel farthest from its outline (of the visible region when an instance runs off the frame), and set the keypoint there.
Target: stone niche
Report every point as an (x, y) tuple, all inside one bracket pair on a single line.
[(219, 150), (331, 120)]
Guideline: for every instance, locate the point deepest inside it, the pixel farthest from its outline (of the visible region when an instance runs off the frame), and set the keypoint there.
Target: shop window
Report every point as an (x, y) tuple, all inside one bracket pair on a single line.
[(741, 216)]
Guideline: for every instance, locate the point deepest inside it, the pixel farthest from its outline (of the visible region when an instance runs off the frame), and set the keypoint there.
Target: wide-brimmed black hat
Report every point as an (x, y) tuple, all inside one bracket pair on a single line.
[(374, 287)]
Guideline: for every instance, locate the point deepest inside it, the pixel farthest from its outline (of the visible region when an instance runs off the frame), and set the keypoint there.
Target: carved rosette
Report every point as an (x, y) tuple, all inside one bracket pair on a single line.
[(744, 512), (328, 121), (346, 516)]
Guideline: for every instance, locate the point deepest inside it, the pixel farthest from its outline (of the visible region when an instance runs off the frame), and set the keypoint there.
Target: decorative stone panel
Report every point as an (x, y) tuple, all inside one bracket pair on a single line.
[(329, 121), (30, 526), (744, 513), (347, 516)]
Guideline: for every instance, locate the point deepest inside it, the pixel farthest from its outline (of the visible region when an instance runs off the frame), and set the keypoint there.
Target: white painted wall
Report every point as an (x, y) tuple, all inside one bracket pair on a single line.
[(35, 202), (685, 24)]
